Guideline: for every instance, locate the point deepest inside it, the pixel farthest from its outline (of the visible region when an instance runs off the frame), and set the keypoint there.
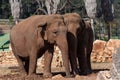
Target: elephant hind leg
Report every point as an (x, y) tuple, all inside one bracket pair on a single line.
[(27, 65), (21, 64), (19, 60)]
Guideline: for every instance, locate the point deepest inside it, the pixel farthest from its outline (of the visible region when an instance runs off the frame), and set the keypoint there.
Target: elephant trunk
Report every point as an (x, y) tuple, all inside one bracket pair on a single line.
[(63, 45)]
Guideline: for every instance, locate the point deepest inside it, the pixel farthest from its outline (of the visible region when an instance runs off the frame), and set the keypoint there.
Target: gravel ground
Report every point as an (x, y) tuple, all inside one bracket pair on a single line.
[(11, 72)]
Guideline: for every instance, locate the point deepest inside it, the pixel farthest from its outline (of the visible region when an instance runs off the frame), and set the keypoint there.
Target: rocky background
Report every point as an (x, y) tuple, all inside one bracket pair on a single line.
[(103, 52)]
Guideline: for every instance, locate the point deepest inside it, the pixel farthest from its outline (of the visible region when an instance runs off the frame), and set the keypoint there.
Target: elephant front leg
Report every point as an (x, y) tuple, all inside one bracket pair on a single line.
[(82, 59), (32, 65), (48, 60), (73, 59), (72, 47)]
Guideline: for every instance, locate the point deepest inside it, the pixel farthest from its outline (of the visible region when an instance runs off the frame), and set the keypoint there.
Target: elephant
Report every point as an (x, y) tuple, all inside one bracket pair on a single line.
[(80, 43), (35, 36), (84, 48), (72, 24), (79, 35)]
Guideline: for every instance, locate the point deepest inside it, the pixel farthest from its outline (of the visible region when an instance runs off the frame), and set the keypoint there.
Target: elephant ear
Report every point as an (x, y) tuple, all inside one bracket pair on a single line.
[(42, 28), (82, 25)]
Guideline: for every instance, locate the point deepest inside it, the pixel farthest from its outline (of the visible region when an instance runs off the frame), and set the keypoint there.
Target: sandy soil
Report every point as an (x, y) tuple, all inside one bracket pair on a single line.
[(11, 72)]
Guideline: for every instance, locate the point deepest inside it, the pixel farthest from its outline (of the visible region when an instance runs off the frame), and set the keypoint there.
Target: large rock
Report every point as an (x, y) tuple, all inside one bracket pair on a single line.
[(104, 75), (114, 73), (116, 65), (97, 52)]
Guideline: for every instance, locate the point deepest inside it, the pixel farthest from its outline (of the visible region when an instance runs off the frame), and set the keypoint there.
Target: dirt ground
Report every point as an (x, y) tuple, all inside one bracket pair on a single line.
[(11, 72)]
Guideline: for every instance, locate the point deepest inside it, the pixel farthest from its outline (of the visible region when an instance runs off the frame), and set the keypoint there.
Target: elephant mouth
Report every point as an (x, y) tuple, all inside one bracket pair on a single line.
[(51, 42)]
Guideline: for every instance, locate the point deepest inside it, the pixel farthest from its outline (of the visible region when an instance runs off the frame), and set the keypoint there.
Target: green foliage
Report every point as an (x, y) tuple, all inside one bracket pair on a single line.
[(69, 6), (11, 18), (5, 9), (28, 8)]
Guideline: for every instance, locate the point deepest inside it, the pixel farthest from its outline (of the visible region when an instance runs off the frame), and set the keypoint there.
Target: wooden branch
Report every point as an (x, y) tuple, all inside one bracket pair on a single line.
[(70, 2), (41, 10), (63, 5), (40, 5)]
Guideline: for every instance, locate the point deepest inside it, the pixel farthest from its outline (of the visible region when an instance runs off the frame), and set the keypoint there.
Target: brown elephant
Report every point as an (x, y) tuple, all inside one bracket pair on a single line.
[(36, 35), (78, 38), (84, 48), (80, 43), (72, 21)]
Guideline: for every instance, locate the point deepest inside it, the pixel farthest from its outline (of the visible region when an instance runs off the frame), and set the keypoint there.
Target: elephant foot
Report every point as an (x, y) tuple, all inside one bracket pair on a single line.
[(86, 72), (23, 73), (47, 75), (69, 76), (75, 72), (33, 77)]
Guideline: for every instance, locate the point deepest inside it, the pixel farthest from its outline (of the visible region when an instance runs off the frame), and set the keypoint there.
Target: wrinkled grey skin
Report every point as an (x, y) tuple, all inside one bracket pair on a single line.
[(35, 36)]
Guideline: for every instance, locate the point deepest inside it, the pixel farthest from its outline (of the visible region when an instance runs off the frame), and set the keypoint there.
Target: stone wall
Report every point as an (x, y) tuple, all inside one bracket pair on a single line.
[(114, 72), (103, 51)]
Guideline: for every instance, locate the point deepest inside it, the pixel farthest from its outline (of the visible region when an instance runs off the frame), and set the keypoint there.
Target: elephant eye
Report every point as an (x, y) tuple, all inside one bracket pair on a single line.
[(55, 32)]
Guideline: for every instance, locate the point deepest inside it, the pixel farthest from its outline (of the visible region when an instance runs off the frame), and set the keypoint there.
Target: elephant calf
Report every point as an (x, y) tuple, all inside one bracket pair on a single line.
[(36, 35)]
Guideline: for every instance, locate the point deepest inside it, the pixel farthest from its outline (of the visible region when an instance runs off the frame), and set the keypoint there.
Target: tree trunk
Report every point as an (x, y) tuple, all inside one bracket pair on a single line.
[(15, 9), (51, 6)]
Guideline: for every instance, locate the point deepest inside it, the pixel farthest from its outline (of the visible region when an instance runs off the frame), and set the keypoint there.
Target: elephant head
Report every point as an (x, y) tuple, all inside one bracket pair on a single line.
[(54, 31), (72, 21)]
